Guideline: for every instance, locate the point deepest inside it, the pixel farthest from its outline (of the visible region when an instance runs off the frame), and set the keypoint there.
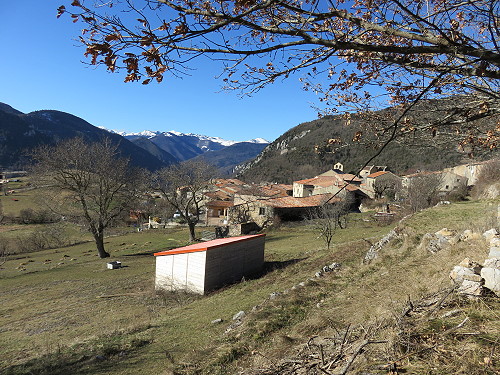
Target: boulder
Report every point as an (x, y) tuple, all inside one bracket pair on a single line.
[(239, 315), (494, 252), (434, 242), (471, 288), (491, 275), (469, 235), (459, 274), (494, 248), (492, 263), (474, 266), (490, 234)]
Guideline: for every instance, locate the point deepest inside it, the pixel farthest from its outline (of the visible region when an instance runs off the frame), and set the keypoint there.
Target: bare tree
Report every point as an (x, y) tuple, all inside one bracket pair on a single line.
[(328, 217), (89, 181), (182, 186), (423, 191), (354, 54), (387, 185)]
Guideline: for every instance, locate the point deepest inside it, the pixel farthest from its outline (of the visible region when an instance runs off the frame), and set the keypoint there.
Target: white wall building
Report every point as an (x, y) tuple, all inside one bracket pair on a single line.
[(205, 266)]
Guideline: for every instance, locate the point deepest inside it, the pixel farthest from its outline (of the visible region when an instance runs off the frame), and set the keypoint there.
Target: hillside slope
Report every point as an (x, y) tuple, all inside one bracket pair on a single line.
[(20, 133), (292, 317), (229, 157), (292, 156)]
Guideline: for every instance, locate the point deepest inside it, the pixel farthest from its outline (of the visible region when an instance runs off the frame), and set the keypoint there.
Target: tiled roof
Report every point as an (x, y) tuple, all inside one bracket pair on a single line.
[(269, 190), (349, 177), (219, 204), (325, 181), (322, 181), (218, 195), (377, 174), (294, 202)]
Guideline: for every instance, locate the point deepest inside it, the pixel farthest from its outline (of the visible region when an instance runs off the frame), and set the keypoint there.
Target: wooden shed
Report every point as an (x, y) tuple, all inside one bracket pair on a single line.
[(205, 266)]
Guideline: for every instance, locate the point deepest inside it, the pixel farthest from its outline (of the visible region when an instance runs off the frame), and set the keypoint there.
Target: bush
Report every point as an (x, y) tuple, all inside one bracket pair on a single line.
[(488, 175), (40, 239), (42, 216)]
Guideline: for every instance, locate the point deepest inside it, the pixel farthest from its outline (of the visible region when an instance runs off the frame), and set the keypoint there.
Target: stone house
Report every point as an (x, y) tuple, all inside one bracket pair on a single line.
[(370, 169), (230, 192), (368, 186), (469, 171), (327, 182), (265, 211), (448, 181)]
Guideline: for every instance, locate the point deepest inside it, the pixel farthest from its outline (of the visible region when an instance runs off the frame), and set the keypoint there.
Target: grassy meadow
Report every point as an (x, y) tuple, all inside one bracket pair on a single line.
[(62, 311)]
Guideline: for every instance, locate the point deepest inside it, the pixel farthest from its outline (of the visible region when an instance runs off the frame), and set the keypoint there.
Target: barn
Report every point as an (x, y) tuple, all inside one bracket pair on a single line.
[(205, 266)]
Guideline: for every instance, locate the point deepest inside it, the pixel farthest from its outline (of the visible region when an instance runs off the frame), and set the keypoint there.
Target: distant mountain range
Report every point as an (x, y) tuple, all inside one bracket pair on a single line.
[(186, 146), (20, 133)]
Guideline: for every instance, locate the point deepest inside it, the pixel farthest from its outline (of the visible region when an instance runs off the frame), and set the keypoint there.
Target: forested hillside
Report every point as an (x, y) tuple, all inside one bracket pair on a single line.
[(294, 154)]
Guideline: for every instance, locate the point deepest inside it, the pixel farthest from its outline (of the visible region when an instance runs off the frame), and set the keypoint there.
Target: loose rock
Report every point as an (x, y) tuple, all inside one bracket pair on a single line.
[(239, 315), (490, 234), (471, 288), (491, 275)]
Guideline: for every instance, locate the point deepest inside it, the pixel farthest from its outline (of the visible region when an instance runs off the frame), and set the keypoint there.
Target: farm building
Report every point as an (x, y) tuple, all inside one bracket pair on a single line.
[(205, 266)]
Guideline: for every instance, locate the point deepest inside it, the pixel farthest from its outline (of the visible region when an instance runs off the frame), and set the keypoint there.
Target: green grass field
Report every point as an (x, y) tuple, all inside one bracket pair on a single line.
[(62, 311)]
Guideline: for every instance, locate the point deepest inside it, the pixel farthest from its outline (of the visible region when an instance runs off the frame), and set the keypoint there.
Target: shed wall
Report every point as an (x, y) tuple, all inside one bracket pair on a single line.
[(181, 272), (228, 264)]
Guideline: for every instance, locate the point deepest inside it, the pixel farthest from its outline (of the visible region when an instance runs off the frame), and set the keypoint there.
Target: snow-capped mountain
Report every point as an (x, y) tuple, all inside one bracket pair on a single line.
[(172, 133), (183, 146)]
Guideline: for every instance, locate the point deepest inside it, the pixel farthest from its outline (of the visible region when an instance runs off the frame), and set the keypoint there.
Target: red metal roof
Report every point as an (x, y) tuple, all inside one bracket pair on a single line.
[(208, 245)]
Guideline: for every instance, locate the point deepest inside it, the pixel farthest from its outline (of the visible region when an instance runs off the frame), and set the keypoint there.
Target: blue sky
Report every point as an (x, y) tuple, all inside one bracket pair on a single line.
[(42, 68)]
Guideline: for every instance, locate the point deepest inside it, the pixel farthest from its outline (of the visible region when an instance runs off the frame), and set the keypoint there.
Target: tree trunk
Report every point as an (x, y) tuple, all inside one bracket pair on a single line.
[(99, 241), (191, 226)]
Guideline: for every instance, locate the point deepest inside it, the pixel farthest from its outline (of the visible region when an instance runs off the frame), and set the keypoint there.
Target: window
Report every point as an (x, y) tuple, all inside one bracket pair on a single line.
[(262, 211)]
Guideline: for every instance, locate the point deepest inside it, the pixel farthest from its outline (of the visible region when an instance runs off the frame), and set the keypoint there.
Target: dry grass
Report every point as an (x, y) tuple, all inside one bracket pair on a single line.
[(52, 315)]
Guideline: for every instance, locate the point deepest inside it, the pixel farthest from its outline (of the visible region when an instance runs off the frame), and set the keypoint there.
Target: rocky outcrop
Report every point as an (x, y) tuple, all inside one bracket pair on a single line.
[(467, 275), (435, 242), (372, 253), (475, 280)]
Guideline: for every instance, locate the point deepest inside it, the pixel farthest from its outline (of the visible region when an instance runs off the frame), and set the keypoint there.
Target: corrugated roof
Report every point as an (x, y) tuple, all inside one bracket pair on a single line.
[(208, 245), (377, 174)]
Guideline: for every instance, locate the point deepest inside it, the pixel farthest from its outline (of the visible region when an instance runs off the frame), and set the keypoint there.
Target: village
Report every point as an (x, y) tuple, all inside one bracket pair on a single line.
[(241, 208)]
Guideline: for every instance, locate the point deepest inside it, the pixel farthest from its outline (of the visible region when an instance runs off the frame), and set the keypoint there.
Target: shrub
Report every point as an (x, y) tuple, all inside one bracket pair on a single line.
[(42, 216), (488, 175)]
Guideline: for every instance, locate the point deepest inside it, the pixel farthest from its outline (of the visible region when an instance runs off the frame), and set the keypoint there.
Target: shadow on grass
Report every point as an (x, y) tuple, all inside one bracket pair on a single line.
[(273, 266), (141, 254), (271, 238)]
